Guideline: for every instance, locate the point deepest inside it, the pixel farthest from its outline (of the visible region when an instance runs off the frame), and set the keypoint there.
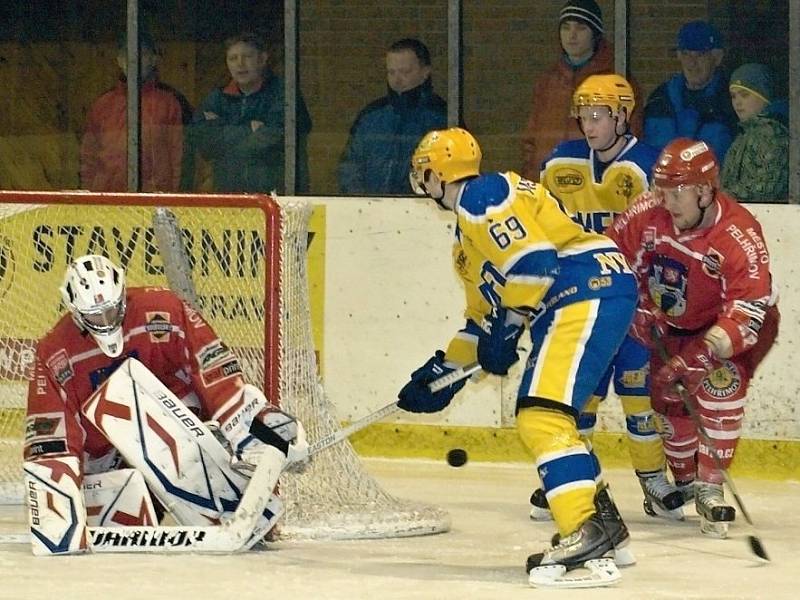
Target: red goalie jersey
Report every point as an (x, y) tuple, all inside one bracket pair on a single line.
[(167, 336), (717, 275)]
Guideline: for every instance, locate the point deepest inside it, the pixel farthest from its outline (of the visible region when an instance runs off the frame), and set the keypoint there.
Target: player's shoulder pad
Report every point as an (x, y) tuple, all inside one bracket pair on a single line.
[(570, 149), (483, 193), (152, 297), (646, 202), (644, 155)]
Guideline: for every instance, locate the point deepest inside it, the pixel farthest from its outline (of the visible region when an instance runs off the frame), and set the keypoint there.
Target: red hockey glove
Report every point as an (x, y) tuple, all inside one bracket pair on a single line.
[(647, 322), (690, 367)]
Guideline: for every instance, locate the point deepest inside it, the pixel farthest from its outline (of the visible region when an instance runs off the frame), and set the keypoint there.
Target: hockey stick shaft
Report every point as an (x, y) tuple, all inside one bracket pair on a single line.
[(756, 544), (337, 436)]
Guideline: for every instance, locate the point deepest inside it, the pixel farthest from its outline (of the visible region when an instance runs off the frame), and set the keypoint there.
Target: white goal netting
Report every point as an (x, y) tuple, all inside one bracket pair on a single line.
[(247, 271)]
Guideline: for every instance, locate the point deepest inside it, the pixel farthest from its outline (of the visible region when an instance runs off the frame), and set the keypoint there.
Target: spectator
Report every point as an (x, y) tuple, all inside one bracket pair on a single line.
[(756, 168), (583, 52), (165, 167), (385, 133), (694, 103), (240, 127)]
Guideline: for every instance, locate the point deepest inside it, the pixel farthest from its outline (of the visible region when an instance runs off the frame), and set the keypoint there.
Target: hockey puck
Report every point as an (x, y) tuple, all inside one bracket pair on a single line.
[(457, 457)]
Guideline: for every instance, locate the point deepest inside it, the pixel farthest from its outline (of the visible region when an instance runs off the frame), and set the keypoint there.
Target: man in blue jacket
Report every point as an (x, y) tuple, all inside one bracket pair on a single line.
[(695, 103), (385, 133)]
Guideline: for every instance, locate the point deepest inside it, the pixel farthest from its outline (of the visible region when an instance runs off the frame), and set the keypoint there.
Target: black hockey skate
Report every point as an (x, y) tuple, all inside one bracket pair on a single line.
[(715, 513), (600, 545), (540, 508), (661, 498)]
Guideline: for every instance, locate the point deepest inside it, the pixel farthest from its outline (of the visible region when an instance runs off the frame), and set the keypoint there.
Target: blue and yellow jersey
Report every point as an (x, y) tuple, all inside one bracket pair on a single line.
[(594, 192), (516, 247)]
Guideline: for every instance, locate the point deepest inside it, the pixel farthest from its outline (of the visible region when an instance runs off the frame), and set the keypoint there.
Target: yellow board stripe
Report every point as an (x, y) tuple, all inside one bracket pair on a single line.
[(758, 459)]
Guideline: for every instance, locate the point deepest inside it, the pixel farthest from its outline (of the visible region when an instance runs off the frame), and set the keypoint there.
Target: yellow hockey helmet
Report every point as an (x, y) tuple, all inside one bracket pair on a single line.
[(610, 90), (452, 154)]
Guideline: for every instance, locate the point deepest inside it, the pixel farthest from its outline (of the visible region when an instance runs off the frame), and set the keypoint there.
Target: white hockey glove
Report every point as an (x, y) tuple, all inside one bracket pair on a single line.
[(258, 424), (277, 428)]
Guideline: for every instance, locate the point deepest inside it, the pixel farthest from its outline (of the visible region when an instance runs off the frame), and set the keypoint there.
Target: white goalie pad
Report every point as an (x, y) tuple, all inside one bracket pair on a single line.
[(183, 464), (118, 499), (56, 513)]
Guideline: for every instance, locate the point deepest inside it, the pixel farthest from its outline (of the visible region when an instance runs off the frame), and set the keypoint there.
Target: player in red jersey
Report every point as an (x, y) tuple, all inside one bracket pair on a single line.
[(177, 374), (706, 290)]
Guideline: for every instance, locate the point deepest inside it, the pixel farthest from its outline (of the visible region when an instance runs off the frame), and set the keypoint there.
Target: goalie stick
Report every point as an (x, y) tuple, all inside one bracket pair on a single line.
[(231, 535), (753, 540)]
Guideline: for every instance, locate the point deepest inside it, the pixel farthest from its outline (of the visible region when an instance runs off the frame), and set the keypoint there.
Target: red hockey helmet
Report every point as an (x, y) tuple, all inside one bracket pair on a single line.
[(686, 162)]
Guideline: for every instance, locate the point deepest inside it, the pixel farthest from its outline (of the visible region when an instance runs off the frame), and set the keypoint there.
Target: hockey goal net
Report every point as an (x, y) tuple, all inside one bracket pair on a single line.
[(242, 260)]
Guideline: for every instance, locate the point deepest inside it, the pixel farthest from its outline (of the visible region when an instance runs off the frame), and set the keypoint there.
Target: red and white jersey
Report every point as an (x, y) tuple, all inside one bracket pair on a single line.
[(166, 335), (702, 277)]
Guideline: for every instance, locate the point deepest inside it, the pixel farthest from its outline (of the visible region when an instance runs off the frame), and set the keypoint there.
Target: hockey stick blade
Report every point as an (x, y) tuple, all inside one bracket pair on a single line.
[(337, 436), (753, 541)]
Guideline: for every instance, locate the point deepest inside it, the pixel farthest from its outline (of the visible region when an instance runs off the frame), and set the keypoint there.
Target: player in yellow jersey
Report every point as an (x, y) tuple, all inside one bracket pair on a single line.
[(526, 264), (596, 178)]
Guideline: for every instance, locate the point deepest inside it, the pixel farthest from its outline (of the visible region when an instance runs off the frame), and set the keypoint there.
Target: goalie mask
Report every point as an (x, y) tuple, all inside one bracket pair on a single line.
[(94, 292)]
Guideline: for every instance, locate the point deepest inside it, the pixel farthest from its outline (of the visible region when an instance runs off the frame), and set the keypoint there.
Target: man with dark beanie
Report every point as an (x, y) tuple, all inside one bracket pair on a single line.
[(584, 52)]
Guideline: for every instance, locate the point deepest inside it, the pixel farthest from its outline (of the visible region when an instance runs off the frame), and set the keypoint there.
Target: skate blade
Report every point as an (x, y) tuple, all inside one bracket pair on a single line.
[(541, 514), (714, 529), (602, 572), (654, 510)]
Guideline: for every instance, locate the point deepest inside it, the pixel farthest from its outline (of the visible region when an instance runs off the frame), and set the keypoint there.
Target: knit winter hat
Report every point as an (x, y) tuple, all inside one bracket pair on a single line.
[(755, 78), (584, 11)]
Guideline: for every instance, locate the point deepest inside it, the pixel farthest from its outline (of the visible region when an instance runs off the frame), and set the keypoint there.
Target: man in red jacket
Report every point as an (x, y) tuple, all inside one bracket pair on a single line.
[(707, 297), (164, 112)]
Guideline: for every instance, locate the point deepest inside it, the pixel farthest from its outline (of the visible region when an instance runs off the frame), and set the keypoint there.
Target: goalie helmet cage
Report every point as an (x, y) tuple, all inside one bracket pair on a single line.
[(242, 259)]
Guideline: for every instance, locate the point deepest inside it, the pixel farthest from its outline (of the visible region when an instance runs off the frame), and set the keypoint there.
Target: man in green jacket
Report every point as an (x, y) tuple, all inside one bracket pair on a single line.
[(240, 127)]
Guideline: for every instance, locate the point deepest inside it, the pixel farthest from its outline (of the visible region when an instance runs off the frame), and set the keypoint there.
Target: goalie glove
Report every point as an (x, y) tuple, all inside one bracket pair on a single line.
[(257, 423), (417, 397), (497, 344)]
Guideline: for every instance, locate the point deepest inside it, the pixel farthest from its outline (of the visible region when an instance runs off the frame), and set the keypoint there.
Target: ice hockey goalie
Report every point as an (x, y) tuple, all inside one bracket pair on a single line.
[(116, 429)]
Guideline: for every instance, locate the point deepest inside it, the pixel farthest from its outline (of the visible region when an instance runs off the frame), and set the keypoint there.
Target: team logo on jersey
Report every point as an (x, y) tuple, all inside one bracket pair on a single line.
[(634, 378), (43, 426), (229, 369), (663, 427), (212, 354), (158, 326), (649, 239), (568, 180), (724, 382), (712, 263), (667, 285), (60, 367), (461, 262), (624, 184)]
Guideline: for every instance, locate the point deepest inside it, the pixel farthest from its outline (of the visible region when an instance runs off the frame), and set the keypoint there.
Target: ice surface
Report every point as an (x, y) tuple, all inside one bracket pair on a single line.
[(481, 557)]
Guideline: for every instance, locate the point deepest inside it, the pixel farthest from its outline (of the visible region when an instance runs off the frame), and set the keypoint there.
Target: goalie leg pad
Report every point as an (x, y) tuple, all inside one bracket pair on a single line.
[(56, 512), (182, 462), (118, 498)]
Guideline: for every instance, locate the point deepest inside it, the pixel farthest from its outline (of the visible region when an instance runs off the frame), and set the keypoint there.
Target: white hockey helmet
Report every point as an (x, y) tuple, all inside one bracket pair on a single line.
[(94, 291)]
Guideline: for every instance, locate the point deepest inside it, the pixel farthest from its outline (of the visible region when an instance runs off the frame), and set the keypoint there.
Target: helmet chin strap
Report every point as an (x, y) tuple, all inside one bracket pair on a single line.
[(617, 137), (702, 209)]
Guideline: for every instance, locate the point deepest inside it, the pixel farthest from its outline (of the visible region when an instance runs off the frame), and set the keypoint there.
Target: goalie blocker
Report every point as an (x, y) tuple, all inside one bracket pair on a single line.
[(222, 503)]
